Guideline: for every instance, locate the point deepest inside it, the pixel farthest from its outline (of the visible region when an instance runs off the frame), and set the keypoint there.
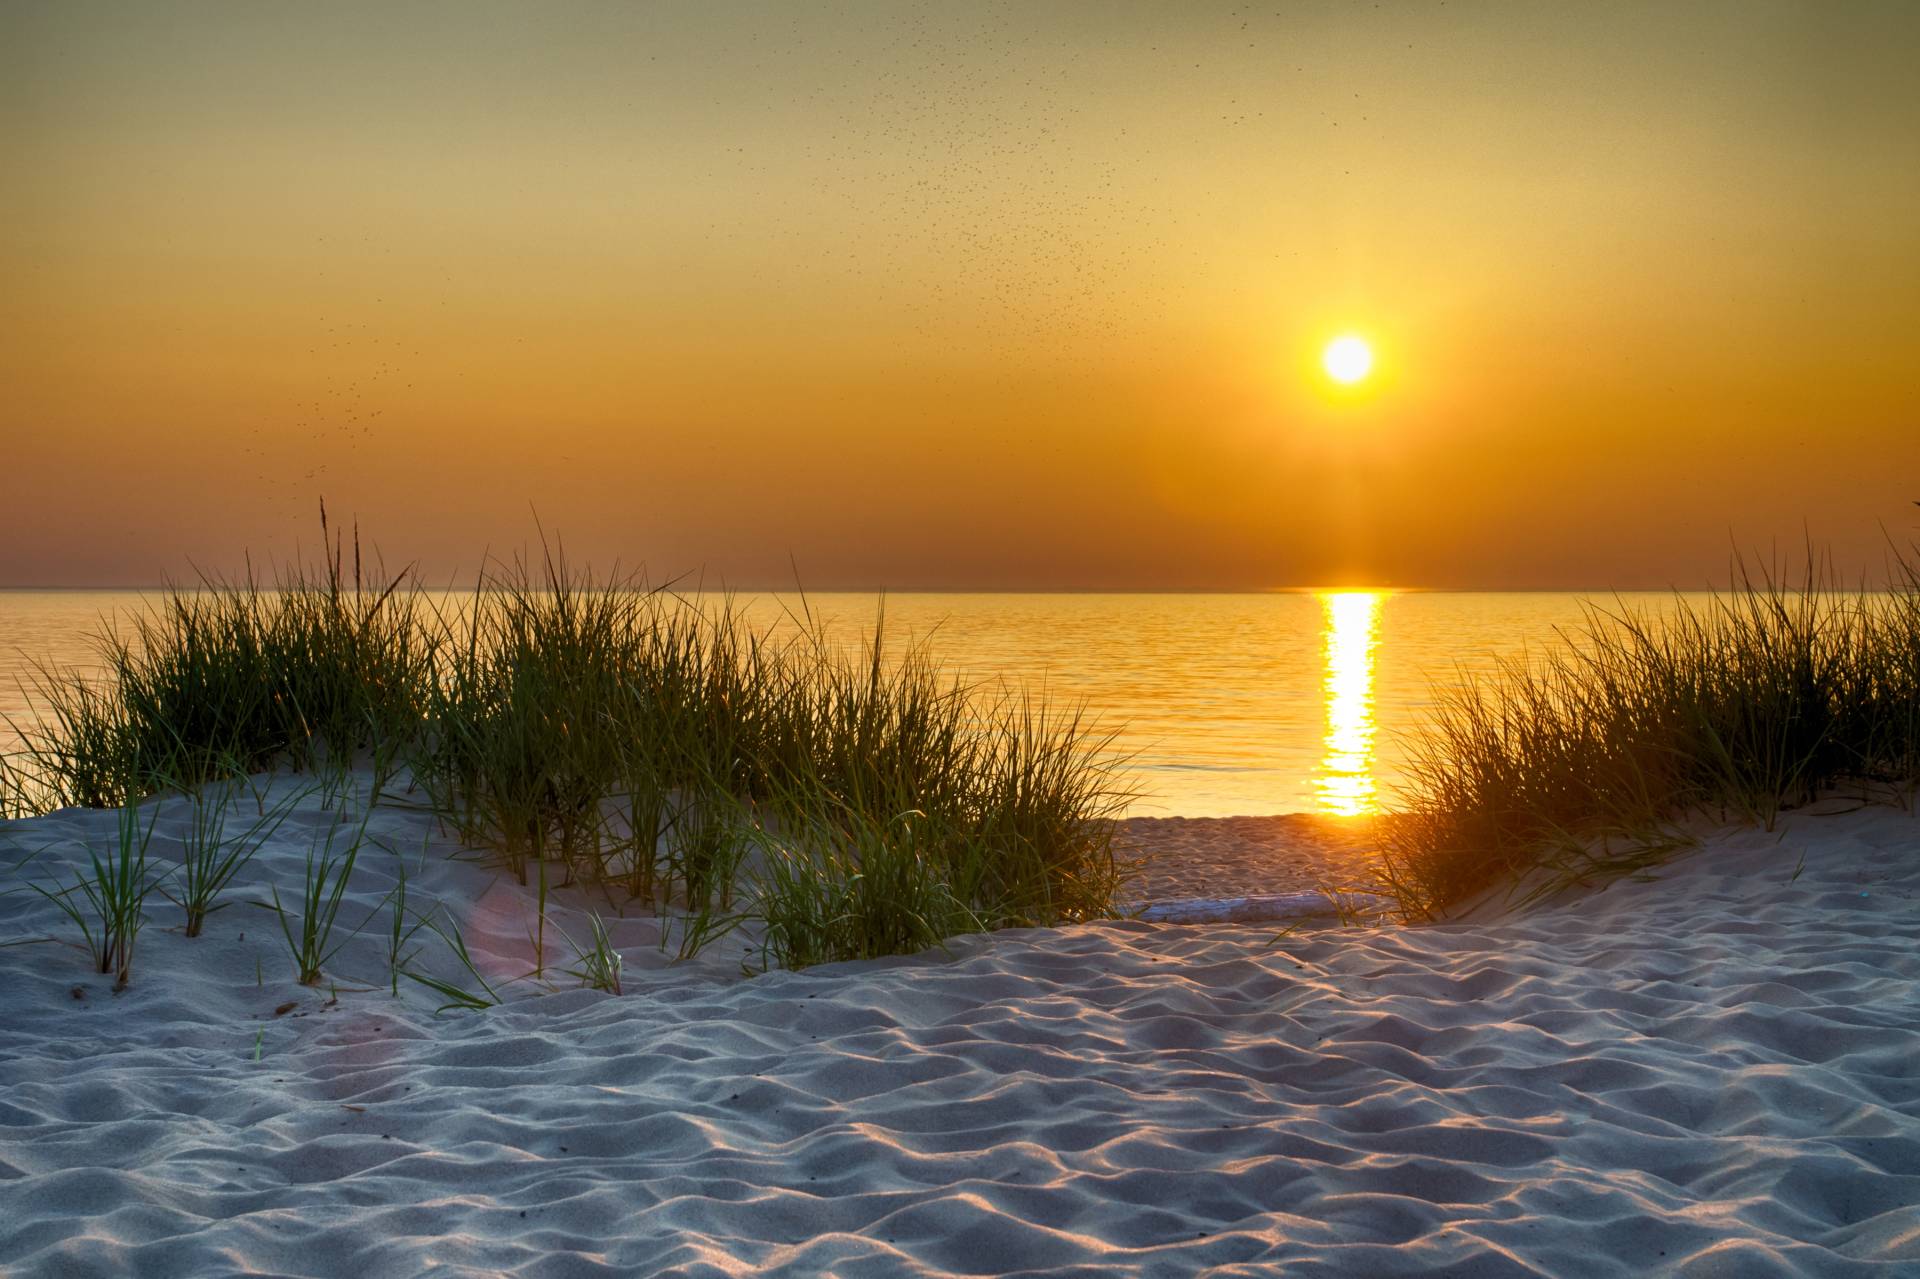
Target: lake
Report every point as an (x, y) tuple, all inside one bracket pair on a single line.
[(1226, 704)]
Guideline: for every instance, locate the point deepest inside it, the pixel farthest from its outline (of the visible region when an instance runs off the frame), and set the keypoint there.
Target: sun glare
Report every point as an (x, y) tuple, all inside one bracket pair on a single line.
[(1347, 359), (1345, 781)]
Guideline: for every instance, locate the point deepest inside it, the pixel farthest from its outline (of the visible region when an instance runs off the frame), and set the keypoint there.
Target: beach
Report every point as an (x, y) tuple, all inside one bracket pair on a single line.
[(1073, 641), (1708, 1072)]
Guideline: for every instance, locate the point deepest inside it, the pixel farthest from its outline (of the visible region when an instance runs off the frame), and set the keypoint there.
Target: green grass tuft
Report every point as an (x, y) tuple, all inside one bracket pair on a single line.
[(612, 733), (110, 907), (209, 857), (1583, 763), (309, 934)]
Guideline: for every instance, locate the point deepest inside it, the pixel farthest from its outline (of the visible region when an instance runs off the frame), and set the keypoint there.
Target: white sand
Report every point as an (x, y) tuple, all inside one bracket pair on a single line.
[(1713, 1074)]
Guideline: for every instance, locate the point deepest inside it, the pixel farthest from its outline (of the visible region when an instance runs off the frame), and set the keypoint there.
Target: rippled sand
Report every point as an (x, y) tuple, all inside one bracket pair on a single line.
[(1711, 1074)]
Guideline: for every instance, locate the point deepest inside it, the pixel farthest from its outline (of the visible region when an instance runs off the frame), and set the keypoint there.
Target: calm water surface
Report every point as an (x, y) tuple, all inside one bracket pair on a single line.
[(1228, 704)]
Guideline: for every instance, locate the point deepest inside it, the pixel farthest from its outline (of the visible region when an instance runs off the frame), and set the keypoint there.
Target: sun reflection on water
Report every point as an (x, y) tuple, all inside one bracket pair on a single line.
[(1344, 781)]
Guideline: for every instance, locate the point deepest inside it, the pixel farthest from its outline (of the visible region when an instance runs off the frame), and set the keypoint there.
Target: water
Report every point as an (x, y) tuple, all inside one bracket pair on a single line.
[(1228, 704)]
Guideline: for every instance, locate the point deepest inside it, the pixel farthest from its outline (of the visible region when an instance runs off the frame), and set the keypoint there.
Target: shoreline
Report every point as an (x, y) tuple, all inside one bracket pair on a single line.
[(1179, 858)]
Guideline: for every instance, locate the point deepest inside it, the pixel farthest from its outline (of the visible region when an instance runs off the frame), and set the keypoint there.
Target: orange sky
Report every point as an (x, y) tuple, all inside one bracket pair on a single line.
[(958, 296)]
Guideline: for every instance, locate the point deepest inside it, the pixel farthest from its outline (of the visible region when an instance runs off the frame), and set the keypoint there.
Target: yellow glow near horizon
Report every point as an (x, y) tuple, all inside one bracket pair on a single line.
[(1345, 779), (1347, 359), (940, 289)]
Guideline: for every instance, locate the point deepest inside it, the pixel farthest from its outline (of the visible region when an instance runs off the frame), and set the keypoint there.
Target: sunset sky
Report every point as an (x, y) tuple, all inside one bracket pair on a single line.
[(962, 296)]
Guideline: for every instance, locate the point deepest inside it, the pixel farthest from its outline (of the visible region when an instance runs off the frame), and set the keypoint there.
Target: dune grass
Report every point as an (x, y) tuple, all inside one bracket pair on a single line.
[(596, 962), (210, 855), (108, 901), (1587, 760), (456, 996), (16, 795), (839, 882), (613, 735), (647, 747), (233, 675), (310, 932), (402, 927)]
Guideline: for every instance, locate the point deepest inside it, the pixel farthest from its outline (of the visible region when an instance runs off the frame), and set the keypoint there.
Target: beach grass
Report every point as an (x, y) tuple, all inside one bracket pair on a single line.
[(613, 735), (16, 795), (211, 856), (233, 675), (838, 882), (648, 746), (310, 932), (1590, 759), (402, 926), (457, 996), (107, 902), (596, 961)]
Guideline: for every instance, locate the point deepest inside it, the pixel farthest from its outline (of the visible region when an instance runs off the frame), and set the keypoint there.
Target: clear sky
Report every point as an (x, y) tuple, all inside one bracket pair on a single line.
[(958, 295)]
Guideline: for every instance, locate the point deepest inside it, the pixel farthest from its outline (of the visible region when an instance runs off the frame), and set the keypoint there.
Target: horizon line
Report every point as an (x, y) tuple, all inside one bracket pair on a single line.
[(791, 589)]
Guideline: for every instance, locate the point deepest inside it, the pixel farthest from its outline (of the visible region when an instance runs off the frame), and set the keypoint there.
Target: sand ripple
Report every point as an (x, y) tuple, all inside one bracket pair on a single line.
[(1715, 1074)]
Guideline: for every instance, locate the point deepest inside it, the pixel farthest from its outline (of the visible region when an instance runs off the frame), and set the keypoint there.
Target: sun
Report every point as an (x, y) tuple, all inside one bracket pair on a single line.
[(1347, 359)]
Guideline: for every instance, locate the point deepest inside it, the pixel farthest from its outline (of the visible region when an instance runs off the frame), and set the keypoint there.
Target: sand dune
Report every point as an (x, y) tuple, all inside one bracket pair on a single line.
[(1713, 1074)]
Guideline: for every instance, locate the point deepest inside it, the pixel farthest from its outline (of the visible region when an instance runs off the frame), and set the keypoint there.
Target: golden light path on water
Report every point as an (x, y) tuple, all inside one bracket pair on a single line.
[(1344, 781)]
